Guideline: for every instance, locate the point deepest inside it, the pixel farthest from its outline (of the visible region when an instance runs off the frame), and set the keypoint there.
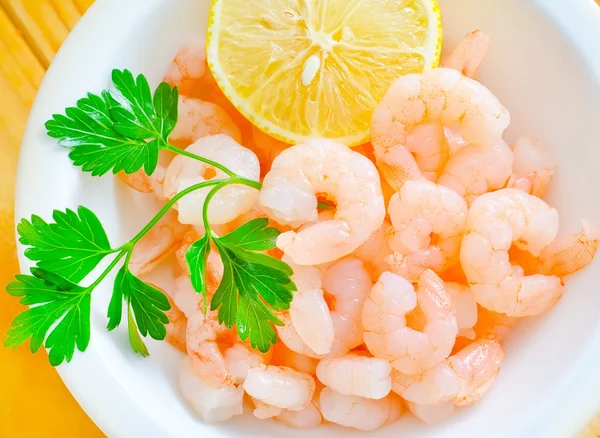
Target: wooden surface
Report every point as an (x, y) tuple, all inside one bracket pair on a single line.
[(33, 400)]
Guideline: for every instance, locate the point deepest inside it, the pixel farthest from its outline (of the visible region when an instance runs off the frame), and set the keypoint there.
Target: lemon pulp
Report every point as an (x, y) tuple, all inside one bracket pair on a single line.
[(305, 69)]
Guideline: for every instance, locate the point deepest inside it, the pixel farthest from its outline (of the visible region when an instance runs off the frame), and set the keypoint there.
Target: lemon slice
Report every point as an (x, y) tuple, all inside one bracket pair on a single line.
[(300, 69)]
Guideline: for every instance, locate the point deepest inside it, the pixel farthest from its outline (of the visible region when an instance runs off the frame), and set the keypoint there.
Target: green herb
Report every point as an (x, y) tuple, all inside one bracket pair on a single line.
[(253, 283), (123, 130)]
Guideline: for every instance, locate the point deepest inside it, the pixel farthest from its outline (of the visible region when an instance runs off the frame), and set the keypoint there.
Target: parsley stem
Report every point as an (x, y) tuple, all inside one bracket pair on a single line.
[(166, 208), (109, 268), (199, 158), (210, 195)]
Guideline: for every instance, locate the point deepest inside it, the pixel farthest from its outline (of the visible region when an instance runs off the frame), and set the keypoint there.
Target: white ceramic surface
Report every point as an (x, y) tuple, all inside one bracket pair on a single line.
[(544, 64)]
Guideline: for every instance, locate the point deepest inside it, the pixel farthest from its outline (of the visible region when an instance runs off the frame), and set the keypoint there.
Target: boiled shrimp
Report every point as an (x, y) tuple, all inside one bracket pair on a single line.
[(423, 212), (347, 285), (229, 202), (441, 96), (462, 378), (473, 171), (375, 251), (212, 404), (492, 325), (533, 166), (427, 143), (358, 412), (431, 414), (497, 220), (280, 387), (289, 196), (239, 358), (199, 119), (466, 308), (176, 327), (387, 334), (204, 333), (469, 54), (188, 68), (214, 263), (144, 183), (307, 418), (309, 313), (284, 357), (572, 253), (160, 242), (367, 377)]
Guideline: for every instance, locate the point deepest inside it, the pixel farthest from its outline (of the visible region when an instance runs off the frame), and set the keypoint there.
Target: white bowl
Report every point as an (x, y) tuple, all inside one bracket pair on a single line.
[(544, 65)]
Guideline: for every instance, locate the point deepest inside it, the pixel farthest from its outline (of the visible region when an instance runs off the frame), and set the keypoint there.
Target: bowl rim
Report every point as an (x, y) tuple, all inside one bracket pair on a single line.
[(122, 416)]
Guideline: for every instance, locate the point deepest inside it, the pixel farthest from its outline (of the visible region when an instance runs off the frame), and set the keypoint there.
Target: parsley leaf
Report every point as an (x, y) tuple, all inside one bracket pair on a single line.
[(148, 304), (255, 235), (118, 131), (196, 257), (135, 340), (71, 246), (139, 115), (254, 285), (60, 316)]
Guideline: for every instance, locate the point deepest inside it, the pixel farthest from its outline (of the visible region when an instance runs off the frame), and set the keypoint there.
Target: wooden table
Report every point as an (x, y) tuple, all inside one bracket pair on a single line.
[(33, 399)]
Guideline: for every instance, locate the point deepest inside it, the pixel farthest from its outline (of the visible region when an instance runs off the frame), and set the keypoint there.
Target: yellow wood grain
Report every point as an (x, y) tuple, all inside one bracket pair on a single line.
[(33, 400)]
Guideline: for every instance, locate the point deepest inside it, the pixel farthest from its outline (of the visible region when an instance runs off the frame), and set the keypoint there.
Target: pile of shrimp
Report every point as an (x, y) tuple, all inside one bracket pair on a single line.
[(439, 243)]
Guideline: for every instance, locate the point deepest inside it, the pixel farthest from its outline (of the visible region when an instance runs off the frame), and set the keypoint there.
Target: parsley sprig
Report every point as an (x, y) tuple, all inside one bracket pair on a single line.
[(123, 129)]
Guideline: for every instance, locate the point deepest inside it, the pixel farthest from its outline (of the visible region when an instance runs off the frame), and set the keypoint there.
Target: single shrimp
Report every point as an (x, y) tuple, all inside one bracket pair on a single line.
[(367, 377), (497, 220), (466, 308), (280, 387), (176, 327), (214, 263), (468, 56), (289, 336), (347, 285), (309, 313), (533, 166), (440, 96), (212, 404), (204, 333), (284, 357), (473, 171), (239, 358), (376, 250), (264, 411), (289, 196), (462, 378), (307, 418), (431, 414), (229, 202), (199, 119), (492, 325), (357, 412), (160, 242), (427, 143), (186, 298), (423, 212), (144, 183), (266, 148), (188, 68), (569, 254), (387, 334)]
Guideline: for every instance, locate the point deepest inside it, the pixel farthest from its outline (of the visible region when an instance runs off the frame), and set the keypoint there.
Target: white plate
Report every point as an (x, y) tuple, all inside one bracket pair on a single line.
[(544, 65)]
